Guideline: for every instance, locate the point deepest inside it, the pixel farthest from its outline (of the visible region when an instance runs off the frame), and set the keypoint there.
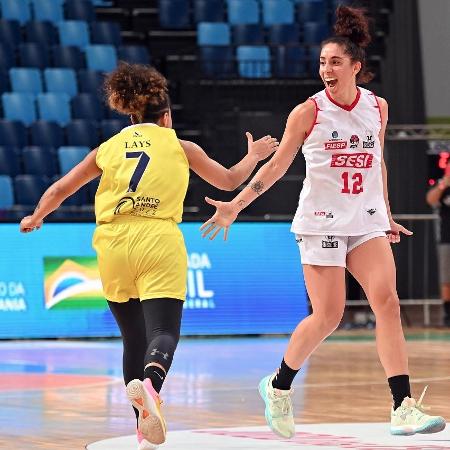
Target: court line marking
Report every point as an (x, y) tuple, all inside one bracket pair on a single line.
[(172, 393)]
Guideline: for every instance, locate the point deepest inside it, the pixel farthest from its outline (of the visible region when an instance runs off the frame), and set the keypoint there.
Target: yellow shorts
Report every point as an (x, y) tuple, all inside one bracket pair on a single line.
[(141, 258)]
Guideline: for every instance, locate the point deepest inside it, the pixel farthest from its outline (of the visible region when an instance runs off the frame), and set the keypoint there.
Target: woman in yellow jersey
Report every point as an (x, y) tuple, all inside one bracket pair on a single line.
[(141, 253)]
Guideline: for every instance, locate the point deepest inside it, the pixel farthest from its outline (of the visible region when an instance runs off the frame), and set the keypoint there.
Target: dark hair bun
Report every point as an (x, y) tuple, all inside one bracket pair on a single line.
[(353, 24)]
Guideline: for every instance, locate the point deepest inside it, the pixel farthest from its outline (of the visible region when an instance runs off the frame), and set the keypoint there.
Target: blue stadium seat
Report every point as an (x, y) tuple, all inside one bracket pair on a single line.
[(80, 10), (69, 157), (106, 33), (253, 61), (7, 56), (71, 57), (248, 34), (61, 80), (10, 32), (43, 33), (82, 133), (13, 133), (32, 54), (243, 11), (90, 81), (4, 82), (28, 189), (46, 134), (312, 11), (87, 106), (314, 32), (19, 106), (174, 14), (49, 10), (213, 33), (284, 34), (110, 127), (15, 10), (134, 54), (74, 33), (54, 107), (6, 188), (24, 79), (277, 12), (40, 161), (209, 11), (290, 61), (101, 57), (10, 161), (217, 61)]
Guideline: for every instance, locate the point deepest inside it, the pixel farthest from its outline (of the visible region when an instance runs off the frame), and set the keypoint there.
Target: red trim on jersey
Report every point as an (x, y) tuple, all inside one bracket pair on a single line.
[(346, 107), (315, 117), (378, 106)]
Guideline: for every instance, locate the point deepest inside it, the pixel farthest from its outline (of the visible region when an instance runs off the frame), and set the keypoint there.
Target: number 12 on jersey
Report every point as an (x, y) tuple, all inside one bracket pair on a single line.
[(356, 183), (144, 159)]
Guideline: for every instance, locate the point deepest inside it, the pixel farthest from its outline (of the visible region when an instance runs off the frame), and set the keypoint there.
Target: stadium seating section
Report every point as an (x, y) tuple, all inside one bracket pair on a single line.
[(54, 53)]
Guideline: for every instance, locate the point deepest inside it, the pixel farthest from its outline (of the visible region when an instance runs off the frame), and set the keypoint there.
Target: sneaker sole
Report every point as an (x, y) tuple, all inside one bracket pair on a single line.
[(150, 422), (433, 426), (400, 431), (262, 393)]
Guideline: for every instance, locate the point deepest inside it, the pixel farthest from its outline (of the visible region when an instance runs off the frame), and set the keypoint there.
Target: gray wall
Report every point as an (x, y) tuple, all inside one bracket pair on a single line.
[(434, 25)]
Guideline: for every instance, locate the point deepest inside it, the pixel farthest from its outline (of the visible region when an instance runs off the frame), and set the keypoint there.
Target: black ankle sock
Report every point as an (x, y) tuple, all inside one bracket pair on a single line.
[(156, 375), (399, 388), (447, 309), (284, 378)]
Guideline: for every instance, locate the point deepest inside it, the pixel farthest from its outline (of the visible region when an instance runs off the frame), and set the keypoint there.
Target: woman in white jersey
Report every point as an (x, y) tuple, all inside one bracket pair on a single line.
[(341, 222)]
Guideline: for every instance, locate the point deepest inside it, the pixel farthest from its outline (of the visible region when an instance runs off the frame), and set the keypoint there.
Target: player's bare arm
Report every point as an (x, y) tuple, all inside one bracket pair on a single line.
[(81, 174), (394, 235), (300, 121), (221, 177)]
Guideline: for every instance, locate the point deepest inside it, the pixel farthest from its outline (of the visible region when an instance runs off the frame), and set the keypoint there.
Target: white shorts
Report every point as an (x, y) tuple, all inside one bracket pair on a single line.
[(330, 250)]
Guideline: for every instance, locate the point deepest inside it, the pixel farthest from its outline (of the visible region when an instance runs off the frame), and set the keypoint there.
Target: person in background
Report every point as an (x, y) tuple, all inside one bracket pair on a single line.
[(439, 196)]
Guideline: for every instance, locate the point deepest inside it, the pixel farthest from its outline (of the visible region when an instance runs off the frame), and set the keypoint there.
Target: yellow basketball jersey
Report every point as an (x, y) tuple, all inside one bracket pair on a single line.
[(145, 174)]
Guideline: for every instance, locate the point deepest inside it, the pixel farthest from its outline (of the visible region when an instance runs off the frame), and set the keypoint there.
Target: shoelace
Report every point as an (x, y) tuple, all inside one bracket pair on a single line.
[(419, 404)]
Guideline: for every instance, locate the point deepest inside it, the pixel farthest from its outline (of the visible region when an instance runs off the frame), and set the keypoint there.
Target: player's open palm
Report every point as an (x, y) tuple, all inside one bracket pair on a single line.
[(224, 216), (262, 148)]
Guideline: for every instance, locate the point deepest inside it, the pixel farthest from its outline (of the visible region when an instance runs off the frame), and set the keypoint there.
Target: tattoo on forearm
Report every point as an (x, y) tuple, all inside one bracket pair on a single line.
[(258, 187), (241, 204)]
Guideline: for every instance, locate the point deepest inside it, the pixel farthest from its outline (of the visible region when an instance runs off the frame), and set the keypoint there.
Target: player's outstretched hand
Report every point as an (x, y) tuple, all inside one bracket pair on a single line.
[(262, 148), (393, 234), (224, 216), (29, 224)]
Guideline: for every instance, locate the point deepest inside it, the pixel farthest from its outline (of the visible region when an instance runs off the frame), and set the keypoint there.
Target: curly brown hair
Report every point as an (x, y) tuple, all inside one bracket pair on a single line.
[(351, 31), (137, 89)]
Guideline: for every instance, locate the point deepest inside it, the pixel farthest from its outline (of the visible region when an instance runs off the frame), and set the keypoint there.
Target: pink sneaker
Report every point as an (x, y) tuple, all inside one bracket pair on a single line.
[(143, 443), (146, 400)]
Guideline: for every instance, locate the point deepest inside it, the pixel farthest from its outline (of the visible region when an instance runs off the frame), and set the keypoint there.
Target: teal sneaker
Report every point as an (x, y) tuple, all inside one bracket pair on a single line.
[(410, 418), (278, 412)]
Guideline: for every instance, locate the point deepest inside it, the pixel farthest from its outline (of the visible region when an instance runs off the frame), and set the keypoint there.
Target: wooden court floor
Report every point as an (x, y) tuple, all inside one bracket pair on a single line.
[(63, 395)]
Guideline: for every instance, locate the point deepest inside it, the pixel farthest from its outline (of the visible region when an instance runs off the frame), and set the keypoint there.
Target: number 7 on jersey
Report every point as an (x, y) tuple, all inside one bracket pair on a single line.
[(144, 159)]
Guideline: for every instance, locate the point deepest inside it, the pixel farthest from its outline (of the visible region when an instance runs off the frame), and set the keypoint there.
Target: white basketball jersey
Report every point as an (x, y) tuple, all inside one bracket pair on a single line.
[(342, 193)]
